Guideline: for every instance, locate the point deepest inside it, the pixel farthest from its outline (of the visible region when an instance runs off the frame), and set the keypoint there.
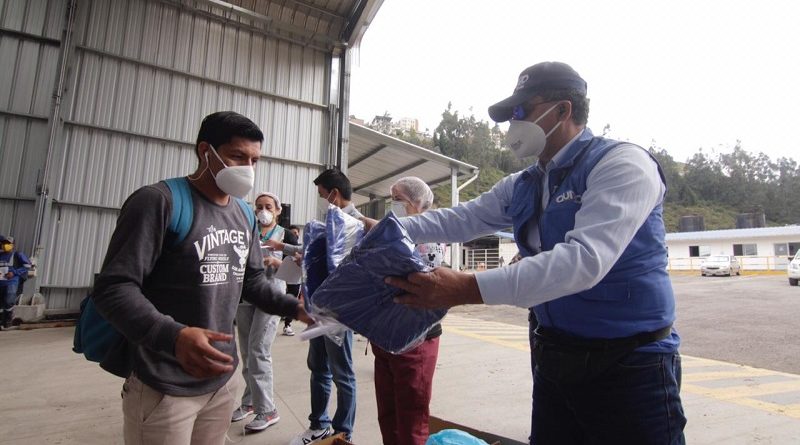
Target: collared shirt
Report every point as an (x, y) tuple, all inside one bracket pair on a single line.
[(532, 236), (621, 191)]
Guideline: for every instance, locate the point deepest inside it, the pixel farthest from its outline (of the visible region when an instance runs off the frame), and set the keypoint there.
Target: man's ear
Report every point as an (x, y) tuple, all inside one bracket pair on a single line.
[(565, 110), (202, 150)]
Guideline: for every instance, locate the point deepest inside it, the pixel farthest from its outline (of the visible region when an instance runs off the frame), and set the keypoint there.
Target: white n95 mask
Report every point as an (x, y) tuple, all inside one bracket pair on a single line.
[(235, 181), (528, 138), (323, 205), (265, 217)]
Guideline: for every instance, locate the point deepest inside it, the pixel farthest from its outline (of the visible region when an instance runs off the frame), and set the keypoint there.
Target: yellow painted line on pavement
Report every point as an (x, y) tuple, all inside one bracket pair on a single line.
[(746, 391), (693, 377), (742, 373)]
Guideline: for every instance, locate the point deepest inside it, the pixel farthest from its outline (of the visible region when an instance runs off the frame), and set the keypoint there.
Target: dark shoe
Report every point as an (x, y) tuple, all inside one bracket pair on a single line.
[(262, 421), (241, 412)]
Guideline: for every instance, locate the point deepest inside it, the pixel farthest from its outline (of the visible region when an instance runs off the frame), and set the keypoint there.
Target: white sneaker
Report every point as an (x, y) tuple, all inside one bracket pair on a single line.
[(311, 436), (288, 331)]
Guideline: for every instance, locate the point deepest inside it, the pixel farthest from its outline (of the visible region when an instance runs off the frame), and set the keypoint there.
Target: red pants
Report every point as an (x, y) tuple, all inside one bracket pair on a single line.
[(403, 388)]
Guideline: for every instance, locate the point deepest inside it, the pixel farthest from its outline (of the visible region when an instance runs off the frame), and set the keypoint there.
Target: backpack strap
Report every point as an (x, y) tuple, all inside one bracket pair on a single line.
[(182, 210), (248, 212)]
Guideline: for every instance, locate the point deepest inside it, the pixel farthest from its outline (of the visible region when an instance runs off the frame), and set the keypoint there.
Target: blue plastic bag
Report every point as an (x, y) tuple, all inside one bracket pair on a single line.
[(355, 293), (342, 232), (315, 259), (454, 437)]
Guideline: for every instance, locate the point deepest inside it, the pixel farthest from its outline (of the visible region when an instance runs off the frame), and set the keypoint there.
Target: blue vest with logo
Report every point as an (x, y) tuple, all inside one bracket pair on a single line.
[(636, 294)]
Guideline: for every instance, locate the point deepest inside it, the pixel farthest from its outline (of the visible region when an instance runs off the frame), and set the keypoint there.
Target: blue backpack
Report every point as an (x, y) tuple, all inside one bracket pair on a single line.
[(95, 337)]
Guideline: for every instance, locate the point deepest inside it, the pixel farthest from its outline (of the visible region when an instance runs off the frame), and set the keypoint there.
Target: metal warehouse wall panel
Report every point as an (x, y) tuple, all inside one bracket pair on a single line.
[(15, 218), (144, 74), (22, 150), (37, 17), (79, 242), (29, 54), (64, 299)]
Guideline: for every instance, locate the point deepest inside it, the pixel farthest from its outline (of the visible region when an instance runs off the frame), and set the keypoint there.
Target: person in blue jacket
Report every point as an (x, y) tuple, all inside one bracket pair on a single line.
[(587, 219), (14, 267)]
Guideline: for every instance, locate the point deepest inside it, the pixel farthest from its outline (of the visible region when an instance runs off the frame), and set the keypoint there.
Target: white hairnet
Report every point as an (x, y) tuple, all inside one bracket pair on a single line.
[(416, 190), (274, 198)]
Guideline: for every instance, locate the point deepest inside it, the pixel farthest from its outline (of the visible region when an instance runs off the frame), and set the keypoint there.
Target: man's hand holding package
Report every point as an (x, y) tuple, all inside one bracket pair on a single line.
[(442, 288)]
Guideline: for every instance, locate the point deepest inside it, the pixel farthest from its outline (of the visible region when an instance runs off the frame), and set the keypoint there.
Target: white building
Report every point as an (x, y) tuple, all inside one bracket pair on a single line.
[(407, 124), (765, 248)]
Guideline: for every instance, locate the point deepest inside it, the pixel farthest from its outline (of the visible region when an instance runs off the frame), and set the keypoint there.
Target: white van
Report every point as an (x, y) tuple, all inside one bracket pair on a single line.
[(794, 269)]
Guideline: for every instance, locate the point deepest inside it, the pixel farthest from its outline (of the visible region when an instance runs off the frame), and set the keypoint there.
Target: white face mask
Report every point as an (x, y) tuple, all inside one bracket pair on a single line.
[(235, 181), (323, 205), (527, 138), (265, 217), (399, 208)]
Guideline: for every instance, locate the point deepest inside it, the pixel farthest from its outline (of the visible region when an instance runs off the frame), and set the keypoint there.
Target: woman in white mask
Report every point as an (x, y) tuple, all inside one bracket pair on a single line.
[(403, 382), (257, 329)]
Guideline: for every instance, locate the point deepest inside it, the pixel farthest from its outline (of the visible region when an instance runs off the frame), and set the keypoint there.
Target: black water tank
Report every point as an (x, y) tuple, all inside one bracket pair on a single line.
[(751, 220), (285, 220), (691, 223)]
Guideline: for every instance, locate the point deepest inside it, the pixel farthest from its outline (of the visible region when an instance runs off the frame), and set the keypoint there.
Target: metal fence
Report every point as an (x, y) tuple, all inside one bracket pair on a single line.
[(481, 259), (748, 263)]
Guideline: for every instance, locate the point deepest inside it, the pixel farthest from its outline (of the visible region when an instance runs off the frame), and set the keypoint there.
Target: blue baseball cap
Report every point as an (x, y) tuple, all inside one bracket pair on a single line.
[(532, 81)]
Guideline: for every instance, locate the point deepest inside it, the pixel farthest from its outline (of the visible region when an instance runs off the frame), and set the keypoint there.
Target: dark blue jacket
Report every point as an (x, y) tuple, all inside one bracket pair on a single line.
[(15, 262)]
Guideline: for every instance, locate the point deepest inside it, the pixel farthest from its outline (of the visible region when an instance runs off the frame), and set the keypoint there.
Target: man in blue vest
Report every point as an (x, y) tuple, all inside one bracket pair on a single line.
[(587, 218)]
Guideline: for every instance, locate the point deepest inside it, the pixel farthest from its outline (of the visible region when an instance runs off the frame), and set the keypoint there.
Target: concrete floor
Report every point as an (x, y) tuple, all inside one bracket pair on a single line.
[(49, 395)]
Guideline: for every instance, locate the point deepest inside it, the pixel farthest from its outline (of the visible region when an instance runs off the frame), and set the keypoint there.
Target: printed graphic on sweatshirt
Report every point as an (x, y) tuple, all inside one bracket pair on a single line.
[(222, 254)]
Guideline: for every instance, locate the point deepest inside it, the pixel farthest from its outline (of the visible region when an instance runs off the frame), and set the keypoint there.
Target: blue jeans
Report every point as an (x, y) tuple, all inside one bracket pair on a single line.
[(8, 298), (637, 401), (328, 363)]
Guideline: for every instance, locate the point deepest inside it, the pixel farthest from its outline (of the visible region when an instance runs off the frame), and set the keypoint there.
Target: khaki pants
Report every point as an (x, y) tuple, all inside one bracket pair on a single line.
[(153, 418)]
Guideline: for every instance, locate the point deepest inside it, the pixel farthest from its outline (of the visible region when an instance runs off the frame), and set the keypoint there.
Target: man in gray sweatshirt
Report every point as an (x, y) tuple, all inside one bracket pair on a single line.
[(175, 304)]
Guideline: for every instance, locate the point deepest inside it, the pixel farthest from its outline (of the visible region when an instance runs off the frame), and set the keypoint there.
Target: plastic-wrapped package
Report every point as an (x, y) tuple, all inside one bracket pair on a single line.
[(342, 233), (454, 437), (315, 259), (356, 295), (327, 245)]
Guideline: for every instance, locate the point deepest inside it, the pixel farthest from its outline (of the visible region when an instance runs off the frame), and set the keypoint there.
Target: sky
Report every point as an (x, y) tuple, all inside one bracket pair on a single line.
[(680, 74)]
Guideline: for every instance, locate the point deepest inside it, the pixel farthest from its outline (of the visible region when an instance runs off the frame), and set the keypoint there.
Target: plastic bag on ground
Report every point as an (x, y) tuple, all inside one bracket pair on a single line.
[(356, 295), (454, 437)]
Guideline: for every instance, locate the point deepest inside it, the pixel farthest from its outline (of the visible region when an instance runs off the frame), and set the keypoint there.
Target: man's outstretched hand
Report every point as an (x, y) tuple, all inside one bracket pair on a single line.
[(442, 288), (198, 357)]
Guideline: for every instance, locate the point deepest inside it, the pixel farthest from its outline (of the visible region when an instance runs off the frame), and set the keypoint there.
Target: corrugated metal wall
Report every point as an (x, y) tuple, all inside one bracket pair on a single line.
[(29, 54), (142, 76)]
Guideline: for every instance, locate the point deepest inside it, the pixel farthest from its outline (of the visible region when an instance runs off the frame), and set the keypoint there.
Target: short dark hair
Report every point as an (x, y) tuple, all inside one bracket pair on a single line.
[(580, 104), (219, 128), (295, 227), (333, 178)]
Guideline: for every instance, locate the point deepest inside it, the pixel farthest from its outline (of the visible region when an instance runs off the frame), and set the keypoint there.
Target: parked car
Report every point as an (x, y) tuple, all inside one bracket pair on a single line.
[(726, 265), (794, 270)]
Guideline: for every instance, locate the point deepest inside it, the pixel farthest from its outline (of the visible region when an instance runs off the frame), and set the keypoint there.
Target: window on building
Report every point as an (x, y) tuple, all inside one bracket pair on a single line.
[(781, 249), (745, 249), (697, 251), (793, 248)]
